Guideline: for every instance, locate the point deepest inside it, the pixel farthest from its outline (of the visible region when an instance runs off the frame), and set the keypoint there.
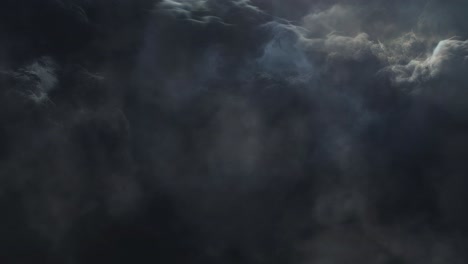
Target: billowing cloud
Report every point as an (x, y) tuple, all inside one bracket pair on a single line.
[(237, 131)]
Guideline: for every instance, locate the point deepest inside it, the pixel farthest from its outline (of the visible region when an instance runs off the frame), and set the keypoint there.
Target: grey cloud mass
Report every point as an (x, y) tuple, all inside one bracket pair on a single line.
[(233, 131)]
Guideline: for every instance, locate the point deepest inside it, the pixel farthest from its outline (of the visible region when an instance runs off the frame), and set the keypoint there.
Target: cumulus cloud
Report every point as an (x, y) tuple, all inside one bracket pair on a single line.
[(438, 78)]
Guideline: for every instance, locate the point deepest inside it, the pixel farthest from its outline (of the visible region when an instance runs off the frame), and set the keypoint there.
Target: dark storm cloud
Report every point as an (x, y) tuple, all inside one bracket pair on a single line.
[(36, 80), (194, 131)]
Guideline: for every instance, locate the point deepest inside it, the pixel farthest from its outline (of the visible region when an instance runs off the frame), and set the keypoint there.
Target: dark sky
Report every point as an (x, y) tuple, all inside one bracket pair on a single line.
[(233, 131)]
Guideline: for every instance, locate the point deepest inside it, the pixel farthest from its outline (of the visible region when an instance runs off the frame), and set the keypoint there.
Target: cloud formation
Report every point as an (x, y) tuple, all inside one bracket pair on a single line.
[(237, 131)]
